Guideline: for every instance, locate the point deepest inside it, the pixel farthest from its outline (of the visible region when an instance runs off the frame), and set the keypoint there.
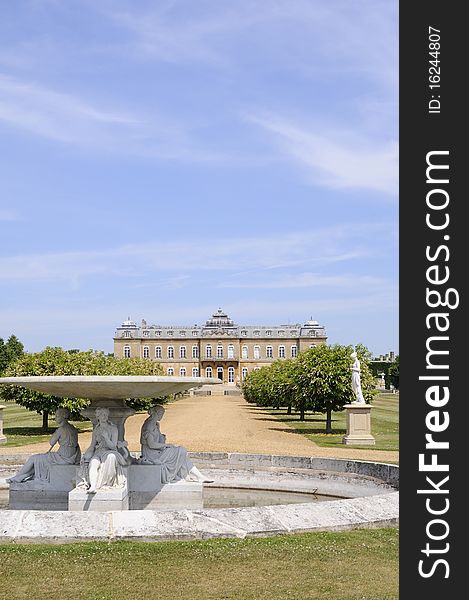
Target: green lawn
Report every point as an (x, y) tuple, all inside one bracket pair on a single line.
[(22, 426), (384, 424), (352, 565)]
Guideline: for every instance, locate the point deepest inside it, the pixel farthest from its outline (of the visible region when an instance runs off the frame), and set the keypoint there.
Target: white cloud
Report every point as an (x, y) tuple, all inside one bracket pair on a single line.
[(233, 255), (9, 215), (69, 119), (54, 115), (306, 35), (306, 280), (335, 159)]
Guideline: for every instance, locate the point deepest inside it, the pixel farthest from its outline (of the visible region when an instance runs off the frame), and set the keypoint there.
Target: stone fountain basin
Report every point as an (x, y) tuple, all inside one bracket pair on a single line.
[(371, 489), (109, 387)]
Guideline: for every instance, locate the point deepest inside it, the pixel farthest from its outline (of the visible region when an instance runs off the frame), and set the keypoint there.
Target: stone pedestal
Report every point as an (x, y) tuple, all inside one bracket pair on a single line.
[(3, 438), (358, 425), (179, 495), (103, 500), (44, 495)]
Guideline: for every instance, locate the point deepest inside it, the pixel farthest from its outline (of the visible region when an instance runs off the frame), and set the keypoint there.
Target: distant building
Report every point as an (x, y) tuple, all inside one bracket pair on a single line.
[(389, 357), (219, 348)]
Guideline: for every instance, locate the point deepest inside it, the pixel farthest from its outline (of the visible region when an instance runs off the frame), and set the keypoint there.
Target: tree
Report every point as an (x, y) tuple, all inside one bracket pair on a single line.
[(322, 380), (393, 373), (256, 387), (282, 387), (56, 361), (10, 351)]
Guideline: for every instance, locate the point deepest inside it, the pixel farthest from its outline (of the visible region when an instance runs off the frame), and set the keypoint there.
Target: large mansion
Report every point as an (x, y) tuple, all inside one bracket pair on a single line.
[(219, 348)]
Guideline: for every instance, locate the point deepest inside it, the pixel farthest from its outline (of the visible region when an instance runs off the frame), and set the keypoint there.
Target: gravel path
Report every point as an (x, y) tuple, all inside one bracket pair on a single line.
[(226, 424)]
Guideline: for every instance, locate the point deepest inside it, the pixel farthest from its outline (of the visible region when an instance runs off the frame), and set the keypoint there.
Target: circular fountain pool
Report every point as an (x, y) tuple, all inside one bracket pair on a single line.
[(352, 493)]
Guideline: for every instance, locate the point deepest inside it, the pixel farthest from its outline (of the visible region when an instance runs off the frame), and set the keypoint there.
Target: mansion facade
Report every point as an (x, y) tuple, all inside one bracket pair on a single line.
[(220, 348)]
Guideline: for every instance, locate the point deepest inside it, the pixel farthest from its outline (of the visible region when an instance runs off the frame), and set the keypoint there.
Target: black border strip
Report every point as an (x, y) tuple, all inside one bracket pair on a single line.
[(432, 120)]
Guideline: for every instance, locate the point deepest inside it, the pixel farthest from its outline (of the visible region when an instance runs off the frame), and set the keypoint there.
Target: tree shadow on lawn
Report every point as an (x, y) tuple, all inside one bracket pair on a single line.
[(293, 419), (27, 431), (308, 430), (36, 431)]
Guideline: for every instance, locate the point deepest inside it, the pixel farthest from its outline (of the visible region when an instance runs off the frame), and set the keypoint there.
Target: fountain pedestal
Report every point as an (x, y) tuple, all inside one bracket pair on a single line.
[(119, 412)]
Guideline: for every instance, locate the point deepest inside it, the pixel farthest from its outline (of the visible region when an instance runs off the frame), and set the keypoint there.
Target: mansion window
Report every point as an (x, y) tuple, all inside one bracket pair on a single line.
[(158, 333), (146, 352), (208, 352), (208, 372), (170, 371), (182, 372), (127, 334), (182, 333), (146, 333), (219, 351), (269, 352), (257, 352), (244, 352), (244, 372), (170, 351), (195, 352), (126, 351), (195, 372), (182, 352), (170, 332), (158, 353), (244, 333), (231, 374), (281, 351), (231, 351), (294, 351), (268, 332)]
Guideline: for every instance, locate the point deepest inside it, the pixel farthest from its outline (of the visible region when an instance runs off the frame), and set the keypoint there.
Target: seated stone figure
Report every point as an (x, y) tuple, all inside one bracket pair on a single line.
[(37, 467), (105, 458), (174, 460)]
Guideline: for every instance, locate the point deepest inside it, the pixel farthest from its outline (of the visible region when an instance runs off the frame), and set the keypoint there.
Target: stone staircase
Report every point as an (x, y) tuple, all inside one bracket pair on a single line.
[(217, 390)]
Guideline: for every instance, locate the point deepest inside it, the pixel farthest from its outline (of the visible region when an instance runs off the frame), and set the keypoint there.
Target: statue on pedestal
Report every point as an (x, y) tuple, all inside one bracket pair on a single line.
[(37, 467), (356, 384), (103, 462), (174, 460)]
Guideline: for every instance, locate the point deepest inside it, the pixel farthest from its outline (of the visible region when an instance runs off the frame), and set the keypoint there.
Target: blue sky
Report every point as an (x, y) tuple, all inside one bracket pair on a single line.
[(161, 159)]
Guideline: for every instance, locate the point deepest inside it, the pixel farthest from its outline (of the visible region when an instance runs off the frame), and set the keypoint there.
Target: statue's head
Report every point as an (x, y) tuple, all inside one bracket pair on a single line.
[(102, 413), (354, 354), (62, 414), (157, 411)]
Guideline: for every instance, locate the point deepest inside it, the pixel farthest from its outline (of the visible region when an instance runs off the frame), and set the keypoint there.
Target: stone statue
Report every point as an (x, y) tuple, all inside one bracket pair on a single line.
[(356, 384), (174, 460), (103, 462), (37, 466)]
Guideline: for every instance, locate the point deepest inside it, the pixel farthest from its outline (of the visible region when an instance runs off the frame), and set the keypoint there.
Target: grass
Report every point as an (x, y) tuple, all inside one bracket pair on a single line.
[(384, 424), (360, 564), (22, 426)]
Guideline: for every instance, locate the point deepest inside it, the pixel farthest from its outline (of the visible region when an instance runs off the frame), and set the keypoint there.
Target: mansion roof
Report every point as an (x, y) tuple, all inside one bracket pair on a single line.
[(219, 324)]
